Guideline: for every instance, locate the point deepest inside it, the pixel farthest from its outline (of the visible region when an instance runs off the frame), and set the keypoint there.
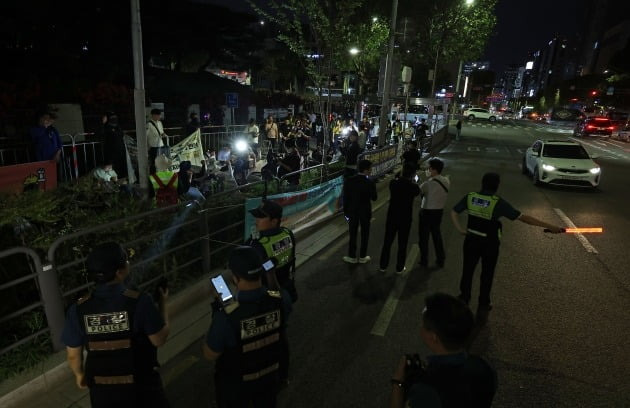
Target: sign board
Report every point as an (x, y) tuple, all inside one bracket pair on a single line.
[(17, 178), (231, 100)]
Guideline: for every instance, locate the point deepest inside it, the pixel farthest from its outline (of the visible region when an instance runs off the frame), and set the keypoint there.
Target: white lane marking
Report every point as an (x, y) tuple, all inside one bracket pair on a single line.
[(521, 151), (389, 308), (492, 150), (473, 149), (609, 151), (587, 245)]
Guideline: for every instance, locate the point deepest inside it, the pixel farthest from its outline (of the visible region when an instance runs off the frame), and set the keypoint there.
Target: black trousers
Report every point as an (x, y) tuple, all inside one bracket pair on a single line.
[(395, 227), (476, 248), (430, 221), (353, 224)]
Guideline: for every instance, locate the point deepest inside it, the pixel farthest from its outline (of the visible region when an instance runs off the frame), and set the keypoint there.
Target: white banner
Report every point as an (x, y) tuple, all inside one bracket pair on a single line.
[(189, 149)]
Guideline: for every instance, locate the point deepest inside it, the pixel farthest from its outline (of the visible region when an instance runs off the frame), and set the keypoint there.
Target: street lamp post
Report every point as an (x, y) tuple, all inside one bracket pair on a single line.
[(387, 82), (138, 96)]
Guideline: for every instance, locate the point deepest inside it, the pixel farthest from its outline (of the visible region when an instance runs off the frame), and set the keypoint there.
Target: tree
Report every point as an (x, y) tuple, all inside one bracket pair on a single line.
[(451, 30)]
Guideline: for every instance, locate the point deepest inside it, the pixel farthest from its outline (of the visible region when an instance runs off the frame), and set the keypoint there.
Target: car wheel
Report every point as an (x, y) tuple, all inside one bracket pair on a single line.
[(535, 177), (492, 119), (524, 167), (471, 117)]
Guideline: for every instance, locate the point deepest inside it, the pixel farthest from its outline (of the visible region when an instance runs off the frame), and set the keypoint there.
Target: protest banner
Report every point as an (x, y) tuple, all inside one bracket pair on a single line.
[(301, 209), (17, 178)]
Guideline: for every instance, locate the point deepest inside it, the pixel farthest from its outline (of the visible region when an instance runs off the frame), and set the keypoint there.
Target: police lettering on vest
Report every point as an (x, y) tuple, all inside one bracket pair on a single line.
[(115, 355), (279, 246), (257, 328), (480, 212)]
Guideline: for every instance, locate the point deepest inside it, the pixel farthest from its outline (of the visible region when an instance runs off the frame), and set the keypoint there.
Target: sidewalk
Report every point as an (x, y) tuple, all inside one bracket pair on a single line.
[(190, 319)]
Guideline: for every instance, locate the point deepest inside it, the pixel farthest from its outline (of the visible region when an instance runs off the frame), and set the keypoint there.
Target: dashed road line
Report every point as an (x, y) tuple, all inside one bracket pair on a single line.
[(587, 245), (389, 308)]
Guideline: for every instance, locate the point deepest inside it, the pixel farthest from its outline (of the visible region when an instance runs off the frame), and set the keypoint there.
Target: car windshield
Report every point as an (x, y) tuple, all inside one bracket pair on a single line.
[(565, 152)]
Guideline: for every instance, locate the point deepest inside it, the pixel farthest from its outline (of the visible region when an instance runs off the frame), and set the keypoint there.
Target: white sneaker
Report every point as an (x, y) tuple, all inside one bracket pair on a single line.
[(350, 260), (365, 259), (404, 270)]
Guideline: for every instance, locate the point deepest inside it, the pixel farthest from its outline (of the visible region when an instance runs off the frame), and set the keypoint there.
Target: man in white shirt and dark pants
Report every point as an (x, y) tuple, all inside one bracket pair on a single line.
[(155, 137), (434, 192)]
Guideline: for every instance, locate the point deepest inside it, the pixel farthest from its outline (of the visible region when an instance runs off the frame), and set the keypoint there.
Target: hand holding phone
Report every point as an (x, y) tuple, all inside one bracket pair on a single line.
[(221, 288)]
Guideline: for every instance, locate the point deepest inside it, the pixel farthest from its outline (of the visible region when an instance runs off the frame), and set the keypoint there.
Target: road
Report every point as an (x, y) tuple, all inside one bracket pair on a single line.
[(558, 332)]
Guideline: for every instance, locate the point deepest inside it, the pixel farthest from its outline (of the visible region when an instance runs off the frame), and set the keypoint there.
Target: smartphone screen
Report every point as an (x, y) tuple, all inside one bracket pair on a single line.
[(268, 265), (222, 288)]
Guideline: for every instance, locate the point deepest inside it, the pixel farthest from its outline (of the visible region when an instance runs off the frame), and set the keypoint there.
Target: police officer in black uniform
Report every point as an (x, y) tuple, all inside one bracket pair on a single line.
[(483, 236), (247, 337), (121, 330)]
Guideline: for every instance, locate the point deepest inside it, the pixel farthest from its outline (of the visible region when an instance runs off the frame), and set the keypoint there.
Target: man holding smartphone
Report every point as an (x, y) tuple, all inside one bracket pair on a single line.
[(248, 338)]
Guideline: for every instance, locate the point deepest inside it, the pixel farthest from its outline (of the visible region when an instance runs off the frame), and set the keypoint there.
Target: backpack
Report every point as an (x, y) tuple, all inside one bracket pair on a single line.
[(165, 195)]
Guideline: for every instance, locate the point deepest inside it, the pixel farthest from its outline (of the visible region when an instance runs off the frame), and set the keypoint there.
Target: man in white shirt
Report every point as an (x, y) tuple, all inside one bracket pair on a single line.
[(155, 137), (434, 192), (252, 131)]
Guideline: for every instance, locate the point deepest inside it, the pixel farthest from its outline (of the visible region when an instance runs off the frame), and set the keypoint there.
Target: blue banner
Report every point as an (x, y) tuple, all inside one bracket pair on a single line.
[(301, 209)]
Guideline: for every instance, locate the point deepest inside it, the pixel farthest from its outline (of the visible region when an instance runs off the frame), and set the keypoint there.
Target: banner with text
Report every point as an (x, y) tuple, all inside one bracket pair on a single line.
[(301, 209), (189, 149), (383, 160), (17, 178)]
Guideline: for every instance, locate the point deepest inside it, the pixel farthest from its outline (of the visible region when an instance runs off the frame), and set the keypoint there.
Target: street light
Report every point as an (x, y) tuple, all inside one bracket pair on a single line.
[(374, 19), (354, 51), (469, 2)]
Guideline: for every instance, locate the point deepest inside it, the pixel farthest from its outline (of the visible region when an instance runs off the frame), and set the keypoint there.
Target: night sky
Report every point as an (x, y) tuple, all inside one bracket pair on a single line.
[(521, 26)]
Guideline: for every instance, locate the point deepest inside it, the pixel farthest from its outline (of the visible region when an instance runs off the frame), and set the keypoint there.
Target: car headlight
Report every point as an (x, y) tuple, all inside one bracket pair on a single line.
[(595, 170), (548, 167)]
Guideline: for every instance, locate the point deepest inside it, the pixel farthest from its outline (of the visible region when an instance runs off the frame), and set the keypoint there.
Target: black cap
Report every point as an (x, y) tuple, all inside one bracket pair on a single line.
[(104, 260), (266, 209), (245, 262)]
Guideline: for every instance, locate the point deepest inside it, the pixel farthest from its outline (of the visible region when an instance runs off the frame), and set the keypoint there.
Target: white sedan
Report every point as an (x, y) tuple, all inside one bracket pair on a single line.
[(480, 113), (562, 163)]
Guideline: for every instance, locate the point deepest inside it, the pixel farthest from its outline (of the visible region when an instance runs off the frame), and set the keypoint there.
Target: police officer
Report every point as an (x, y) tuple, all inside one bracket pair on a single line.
[(120, 330), (247, 338), (483, 236), (275, 243)]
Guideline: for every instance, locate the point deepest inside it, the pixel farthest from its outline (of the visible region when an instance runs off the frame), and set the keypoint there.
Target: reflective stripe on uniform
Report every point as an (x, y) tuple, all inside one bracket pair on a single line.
[(114, 379), (261, 373), (261, 343), (109, 345), (481, 234)]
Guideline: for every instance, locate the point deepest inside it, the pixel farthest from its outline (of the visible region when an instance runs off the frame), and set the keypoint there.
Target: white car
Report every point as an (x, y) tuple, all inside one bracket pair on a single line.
[(479, 113), (561, 162)]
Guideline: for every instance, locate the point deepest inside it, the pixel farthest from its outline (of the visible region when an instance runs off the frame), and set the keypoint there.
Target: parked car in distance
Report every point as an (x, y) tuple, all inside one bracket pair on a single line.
[(560, 162), (479, 113), (595, 126)]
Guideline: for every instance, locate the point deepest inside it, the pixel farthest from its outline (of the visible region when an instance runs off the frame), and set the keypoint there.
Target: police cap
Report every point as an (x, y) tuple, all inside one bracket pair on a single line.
[(246, 263)]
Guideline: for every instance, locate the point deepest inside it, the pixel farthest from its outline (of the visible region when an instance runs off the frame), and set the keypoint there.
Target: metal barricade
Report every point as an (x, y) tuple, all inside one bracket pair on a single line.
[(319, 174), (42, 287)]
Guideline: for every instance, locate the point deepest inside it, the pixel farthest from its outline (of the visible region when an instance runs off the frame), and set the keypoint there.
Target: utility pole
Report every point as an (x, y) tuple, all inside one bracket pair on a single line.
[(387, 83), (138, 96)]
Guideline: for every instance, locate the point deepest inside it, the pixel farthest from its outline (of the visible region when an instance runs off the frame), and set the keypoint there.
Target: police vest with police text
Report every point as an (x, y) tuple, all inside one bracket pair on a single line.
[(115, 354), (279, 247), (257, 328), (480, 211)]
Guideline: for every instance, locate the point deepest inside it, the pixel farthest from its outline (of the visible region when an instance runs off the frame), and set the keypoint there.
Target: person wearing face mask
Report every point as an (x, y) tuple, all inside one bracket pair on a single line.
[(434, 192)]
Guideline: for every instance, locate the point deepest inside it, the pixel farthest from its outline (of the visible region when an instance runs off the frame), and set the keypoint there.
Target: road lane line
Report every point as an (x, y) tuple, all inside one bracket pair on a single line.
[(587, 245), (389, 308)]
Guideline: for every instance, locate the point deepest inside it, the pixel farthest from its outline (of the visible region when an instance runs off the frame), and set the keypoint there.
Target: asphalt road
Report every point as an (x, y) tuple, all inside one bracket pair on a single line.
[(559, 330)]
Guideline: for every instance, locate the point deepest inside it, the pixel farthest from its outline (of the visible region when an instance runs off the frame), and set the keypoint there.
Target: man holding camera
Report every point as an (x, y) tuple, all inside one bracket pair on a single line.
[(451, 377), (247, 338), (121, 329)]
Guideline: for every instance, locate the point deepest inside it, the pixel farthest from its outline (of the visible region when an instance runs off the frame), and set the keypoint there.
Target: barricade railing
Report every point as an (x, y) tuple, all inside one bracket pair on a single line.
[(41, 289), (320, 173)]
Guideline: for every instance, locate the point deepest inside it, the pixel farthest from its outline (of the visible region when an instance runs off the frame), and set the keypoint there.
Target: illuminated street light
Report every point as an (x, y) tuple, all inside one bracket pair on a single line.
[(262, 22), (354, 51), (374, 19), (469, 2)]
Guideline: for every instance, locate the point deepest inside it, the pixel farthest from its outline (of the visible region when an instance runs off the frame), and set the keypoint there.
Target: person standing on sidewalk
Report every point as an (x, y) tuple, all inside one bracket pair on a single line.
[(247, 338), (156, 138), (351, 150), (358, 193), (483, 236), (121, 329), (403, 190), (271, 132), (434, 192), (458, 129)]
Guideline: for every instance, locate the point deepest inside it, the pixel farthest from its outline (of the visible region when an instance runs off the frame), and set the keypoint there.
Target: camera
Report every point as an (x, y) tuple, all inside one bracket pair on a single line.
[(414, 369)]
